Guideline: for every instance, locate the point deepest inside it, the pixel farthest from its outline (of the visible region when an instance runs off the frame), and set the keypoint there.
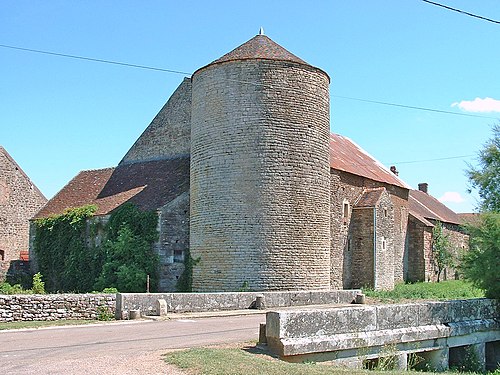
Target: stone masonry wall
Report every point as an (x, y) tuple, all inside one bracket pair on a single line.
[(384, 274), (54, 306), (168, 135), (173, 241), (19, 201), (346, 187), (260, 183), (362, 249), (418, 251)]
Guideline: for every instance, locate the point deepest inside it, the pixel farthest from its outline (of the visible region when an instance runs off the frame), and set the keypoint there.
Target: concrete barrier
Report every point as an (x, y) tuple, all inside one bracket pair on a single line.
[(352, 335), (201, 302)]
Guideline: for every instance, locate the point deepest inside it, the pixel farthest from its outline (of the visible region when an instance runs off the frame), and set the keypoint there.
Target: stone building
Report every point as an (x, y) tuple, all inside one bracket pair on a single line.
[(20, 199), (425, 212), (242, 170)]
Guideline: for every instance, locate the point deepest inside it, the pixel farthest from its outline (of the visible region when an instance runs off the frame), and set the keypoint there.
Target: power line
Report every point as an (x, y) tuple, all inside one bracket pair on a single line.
[(245, 82), (461, 11), (413, 107), (426, 160), (95, 60)]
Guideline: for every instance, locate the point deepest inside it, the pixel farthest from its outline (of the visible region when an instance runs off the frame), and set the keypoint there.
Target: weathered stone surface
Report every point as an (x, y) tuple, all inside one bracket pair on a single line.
[(19, 201), (260, 177), (54, 307), (197, 302), (412, 327)]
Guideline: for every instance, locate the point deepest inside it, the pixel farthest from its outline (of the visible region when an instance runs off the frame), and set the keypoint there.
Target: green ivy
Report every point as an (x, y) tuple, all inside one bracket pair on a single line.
[(71, 261), (61, 250)]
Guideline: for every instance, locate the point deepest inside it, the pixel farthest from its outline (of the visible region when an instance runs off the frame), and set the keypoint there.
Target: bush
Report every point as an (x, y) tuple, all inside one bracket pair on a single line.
[(481, 264), (38, 284)]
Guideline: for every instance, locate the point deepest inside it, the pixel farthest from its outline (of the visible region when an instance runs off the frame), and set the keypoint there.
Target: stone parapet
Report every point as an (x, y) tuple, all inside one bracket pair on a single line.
[(202, 302), (344, 332)]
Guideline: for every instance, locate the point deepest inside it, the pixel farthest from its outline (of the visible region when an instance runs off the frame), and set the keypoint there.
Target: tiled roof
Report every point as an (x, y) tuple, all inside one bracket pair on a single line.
[(260, 47), (471, 218), (149, 185), (347, 156), (421, 204), (369, 198)]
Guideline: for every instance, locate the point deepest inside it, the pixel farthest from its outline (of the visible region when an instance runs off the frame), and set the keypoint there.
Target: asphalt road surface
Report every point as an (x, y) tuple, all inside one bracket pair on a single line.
[(133, 347)]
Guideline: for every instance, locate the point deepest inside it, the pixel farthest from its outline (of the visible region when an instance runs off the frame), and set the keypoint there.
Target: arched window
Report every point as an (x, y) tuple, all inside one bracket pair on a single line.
[(2, 255)]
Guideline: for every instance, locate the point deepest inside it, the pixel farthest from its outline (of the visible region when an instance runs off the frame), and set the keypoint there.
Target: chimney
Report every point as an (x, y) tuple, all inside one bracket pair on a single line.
[(394, 170), (423, 187)]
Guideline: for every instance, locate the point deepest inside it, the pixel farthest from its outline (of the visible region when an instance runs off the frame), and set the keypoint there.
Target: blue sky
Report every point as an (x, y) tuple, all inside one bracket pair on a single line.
[(59, 115)]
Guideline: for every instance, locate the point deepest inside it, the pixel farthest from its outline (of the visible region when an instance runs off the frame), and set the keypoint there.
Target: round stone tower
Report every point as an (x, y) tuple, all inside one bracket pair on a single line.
[(260, 172)]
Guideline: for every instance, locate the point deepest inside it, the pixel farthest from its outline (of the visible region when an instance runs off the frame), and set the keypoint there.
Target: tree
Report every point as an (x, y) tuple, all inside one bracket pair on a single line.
[(486, 178), (128, 252), (441, 249), (481, 264)]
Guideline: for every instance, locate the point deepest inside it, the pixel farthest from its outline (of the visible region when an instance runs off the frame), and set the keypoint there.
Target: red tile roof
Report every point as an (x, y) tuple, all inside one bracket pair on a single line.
[(423, 205), (370, 198), (149, 185), (347, 156)]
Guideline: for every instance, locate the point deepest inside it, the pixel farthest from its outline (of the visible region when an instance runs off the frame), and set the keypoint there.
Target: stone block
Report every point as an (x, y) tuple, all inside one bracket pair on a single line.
[(397, 316)]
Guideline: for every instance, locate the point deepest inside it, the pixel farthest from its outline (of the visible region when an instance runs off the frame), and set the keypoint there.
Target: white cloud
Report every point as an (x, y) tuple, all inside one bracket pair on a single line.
[(479, 105), (451, 196)]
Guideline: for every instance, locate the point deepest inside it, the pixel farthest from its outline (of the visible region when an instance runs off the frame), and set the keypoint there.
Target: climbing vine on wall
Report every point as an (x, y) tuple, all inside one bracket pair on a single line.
[(61, 252), (71, 261)]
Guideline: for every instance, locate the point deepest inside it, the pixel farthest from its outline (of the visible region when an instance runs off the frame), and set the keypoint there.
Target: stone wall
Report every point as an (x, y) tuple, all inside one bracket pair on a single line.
[(168, 136), (260, 183), (19, 201), (147, 303), (420, 250), (173, 241), (351, 335), (385, 253), (54, 306), (346, 187)]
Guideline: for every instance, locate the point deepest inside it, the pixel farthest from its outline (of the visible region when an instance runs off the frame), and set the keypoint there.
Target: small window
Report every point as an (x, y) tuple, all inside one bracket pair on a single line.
[(2, 255), (385, 212), (345, 209), (382, 240)]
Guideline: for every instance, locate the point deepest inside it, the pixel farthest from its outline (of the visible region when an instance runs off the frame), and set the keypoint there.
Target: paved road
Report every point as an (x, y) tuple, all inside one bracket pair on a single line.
[(116, 348)]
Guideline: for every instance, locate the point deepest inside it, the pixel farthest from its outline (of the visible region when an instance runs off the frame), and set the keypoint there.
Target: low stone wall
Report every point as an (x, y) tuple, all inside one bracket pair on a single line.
[(23, 307), (345, 334), (200, 302)]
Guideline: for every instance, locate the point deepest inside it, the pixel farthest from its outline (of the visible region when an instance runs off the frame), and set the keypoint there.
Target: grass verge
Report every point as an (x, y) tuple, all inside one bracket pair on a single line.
[(42, 324), (249, 360), (453, 289)]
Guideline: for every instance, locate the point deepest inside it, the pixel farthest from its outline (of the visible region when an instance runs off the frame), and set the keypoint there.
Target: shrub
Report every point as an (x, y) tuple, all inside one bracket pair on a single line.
[(481, 264), (38, 284)]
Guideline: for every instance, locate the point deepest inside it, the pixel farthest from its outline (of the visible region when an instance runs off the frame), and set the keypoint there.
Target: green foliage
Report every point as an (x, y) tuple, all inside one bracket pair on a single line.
[(481, 264), (185, 282), (486, 178), (62, 253), (128, 254), (104, 314), (70, 261), (38, 284), (442, 255), (469, 362), (453, 289), (6, 288)]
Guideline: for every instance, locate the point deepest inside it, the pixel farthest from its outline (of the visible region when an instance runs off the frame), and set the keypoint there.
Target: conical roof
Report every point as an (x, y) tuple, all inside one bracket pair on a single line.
[(260, 47)]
